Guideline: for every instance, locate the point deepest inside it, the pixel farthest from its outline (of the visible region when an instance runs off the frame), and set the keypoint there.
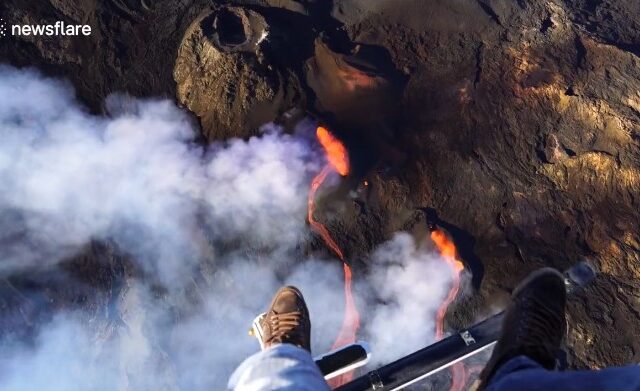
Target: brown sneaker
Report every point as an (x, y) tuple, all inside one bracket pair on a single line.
[(287, 320)]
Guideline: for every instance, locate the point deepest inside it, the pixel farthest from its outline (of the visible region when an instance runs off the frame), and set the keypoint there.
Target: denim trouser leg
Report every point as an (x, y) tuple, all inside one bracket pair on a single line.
[(282, 367), (524, 374)]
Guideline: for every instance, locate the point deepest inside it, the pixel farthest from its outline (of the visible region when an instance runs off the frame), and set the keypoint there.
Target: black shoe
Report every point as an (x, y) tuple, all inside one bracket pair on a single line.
[(287, 320), (534, 323)]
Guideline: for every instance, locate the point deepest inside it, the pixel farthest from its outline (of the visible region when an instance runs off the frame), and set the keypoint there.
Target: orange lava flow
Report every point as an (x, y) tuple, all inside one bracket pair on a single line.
[(338, 161), (311, 208), (448, 251), (336, 152)]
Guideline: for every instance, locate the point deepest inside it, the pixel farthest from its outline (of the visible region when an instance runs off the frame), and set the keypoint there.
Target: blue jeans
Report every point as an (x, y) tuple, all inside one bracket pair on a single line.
[(288, 368), (282, 367), (524, 374)]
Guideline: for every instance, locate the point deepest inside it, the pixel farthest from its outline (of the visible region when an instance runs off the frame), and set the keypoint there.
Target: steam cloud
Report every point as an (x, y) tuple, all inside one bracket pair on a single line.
[(222, 223)]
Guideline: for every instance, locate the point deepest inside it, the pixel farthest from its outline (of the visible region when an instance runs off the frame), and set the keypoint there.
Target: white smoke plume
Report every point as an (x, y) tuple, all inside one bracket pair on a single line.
[(411, 282), (224, 223)]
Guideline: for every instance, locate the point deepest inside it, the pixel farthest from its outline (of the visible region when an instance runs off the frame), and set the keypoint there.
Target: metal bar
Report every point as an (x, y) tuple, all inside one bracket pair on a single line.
[(426, 361)]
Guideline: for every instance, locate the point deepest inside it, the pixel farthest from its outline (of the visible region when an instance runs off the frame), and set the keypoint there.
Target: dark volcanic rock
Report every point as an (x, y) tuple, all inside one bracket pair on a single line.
[(127, 51), (521, 127), (221, 75), (518, 121)]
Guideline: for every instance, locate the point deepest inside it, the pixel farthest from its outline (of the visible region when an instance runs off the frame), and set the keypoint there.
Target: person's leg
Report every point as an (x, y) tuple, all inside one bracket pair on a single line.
[(534, 324), (281, 367), (532, 333), (523, 374), (286, 362)]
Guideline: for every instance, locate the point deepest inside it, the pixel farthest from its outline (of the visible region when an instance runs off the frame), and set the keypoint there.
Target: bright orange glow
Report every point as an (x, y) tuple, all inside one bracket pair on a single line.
[(336, 152), (319, 228), (447, 249), (350, 325), (351, 320)]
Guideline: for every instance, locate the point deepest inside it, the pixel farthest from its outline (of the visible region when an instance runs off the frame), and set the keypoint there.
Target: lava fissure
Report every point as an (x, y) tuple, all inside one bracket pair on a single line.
[(448, 252), (339, 162), (319, 228)]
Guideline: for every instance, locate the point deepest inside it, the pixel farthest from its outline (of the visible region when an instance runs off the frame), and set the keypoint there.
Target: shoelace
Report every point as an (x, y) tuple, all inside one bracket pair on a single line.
[(285, 327)]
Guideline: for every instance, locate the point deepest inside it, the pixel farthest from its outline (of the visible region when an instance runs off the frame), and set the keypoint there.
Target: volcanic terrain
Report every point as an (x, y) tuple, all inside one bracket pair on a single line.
[(514, 125)]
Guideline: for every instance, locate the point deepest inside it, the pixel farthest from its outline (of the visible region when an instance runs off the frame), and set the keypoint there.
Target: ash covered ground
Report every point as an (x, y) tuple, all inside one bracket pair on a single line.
[(517, 123)]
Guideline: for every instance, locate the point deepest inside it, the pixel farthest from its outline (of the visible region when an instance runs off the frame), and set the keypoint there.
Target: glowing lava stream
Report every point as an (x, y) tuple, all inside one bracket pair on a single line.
[(448, 251), (338, 161)]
